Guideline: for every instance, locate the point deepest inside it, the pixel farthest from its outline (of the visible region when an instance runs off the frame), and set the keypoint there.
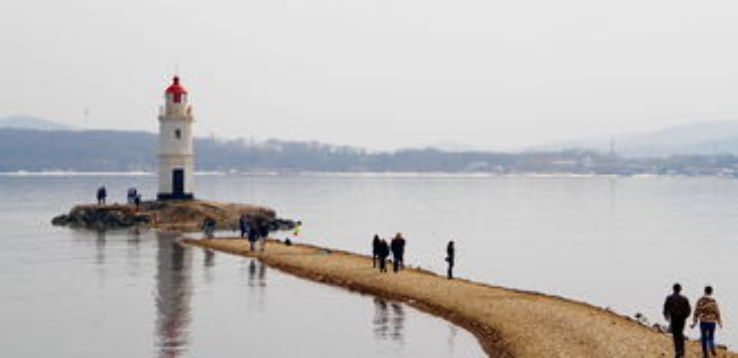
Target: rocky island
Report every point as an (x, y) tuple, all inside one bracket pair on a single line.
[(179, 215)]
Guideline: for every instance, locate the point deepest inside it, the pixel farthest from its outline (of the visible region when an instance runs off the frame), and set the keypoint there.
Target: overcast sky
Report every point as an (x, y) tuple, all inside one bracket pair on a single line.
[(376, 73)]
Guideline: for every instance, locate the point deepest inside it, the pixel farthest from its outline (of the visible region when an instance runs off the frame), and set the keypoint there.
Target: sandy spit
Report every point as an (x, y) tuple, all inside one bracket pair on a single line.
[(507, 322)]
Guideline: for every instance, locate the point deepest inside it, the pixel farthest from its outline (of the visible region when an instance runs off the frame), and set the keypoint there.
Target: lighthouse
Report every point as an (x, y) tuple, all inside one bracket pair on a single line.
[(176, 152)]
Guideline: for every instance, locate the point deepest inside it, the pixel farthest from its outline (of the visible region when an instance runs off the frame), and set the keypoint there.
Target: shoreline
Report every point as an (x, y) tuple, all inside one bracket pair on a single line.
[(506, 322), (363, 174)]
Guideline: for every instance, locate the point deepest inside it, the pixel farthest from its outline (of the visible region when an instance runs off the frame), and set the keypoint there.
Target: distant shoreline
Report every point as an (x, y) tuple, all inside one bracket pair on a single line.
[(349, 174)]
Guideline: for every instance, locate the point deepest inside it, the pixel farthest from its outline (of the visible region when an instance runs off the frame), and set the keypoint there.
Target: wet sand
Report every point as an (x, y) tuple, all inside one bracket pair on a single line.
[(507, 322)]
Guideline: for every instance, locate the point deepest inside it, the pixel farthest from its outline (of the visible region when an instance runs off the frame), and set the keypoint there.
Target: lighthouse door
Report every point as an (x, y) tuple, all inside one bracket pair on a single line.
[(177, 182)]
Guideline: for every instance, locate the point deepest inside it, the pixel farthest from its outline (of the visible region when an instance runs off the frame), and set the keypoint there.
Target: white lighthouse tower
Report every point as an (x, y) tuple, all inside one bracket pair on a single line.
[(176, 153)]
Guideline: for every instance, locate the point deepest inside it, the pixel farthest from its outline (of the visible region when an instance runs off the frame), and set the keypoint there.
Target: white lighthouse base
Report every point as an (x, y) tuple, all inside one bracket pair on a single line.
[(175, 177), (175, 196)]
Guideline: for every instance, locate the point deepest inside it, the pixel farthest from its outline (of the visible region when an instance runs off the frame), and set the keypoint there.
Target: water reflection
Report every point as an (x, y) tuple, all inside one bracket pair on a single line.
[(257, 274), (134, 235), (100, 247), (389, 320), (209, 258), (134, 251), (451, 342), (174, 291), (209, 264)]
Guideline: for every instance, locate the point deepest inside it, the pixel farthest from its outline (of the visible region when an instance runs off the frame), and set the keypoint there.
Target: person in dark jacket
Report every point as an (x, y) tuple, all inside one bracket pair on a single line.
[(383, 253), (101, 195), (208, 227), (450, 258), (263, 234), (137, 202), (397, 246), (253, 235), (676, 311), (375, 250), (243, 224)]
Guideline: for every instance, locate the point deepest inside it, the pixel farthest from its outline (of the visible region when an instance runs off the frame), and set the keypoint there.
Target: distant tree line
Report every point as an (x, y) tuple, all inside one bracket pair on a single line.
[(98, 150)]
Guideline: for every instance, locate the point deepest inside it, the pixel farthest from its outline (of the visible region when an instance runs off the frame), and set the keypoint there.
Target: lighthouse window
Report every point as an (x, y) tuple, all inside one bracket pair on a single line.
[(178, 133)]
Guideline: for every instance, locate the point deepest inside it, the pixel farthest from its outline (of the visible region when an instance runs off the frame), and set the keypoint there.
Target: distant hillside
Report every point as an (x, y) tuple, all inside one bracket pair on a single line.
[(695, 138), (29, 122), (99, 150), (35, 150)]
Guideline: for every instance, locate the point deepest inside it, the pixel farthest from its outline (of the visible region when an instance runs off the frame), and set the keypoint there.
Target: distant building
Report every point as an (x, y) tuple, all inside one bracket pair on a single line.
[(176, 154)]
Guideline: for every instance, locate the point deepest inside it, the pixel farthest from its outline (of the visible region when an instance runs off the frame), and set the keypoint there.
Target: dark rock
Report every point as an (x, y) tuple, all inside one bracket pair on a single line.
[(660, 328), (279, 224), (60, 220), (101, 217)]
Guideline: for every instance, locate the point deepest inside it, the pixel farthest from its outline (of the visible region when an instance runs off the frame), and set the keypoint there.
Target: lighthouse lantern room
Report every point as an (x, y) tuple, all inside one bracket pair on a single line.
[(176, 154)]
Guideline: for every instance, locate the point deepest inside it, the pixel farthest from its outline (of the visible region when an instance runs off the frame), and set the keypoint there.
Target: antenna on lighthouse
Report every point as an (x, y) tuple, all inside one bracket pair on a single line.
[(87, 116)]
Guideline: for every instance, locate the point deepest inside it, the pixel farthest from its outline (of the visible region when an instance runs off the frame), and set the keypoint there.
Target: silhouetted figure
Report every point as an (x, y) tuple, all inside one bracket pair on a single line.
[(397, 246), (253, 235), (102, 193), (131, 195), (137, 201), (383, 253), (450, 258), (375, 250), (707, 312), (676, 311), (208, 227), (263, 234), (243, 224)]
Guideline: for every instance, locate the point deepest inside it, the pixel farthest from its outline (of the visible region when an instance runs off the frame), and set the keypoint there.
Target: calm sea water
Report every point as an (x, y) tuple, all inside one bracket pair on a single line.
[(67, 293), (613, 242)]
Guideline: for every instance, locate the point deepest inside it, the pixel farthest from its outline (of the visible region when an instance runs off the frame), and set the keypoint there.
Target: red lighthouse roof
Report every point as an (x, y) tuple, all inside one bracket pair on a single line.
[(176, 90)]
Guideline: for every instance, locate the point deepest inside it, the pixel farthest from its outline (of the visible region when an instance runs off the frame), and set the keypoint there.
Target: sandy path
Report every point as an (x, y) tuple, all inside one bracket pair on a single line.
[(508, 323)]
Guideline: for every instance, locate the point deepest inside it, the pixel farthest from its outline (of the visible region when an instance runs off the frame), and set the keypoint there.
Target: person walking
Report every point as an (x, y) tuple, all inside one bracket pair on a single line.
[(450, 258), (208, 227), (375, 250), (676, 311), (397, 246), (102, 193), (263, 234), (131, 195), (137, 202), (383, 253), (243, 225), (706, 311), (253, 235)]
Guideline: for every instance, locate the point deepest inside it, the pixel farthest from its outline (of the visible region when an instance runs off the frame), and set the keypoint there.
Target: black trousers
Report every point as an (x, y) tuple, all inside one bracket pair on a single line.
[(677, 333), (397, 262), (382, 264), (450, 272)]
